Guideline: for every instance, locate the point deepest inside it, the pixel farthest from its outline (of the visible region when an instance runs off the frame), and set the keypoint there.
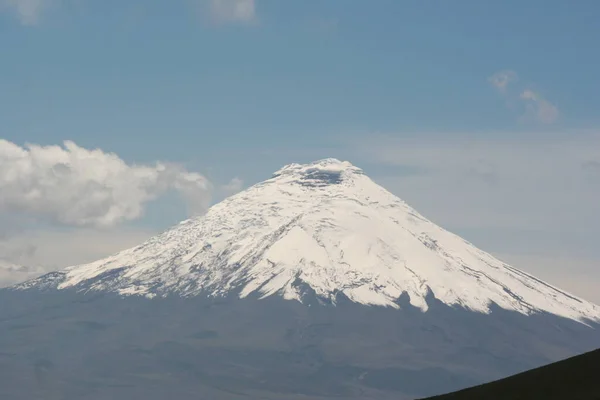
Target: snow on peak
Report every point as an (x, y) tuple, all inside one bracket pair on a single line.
[(328, 227), (329, 171)]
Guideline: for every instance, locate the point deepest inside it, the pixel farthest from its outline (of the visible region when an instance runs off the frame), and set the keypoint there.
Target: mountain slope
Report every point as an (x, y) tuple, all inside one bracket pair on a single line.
[(575, 379), (96, 346), (327, 228), (314, 284)]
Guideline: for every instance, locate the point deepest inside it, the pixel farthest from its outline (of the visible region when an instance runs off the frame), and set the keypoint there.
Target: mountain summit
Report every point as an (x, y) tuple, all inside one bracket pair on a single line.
[(322, 230)]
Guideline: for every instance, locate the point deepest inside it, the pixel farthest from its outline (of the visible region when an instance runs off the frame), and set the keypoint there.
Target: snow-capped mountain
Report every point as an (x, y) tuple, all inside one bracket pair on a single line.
[(327, 229), (314, 284)]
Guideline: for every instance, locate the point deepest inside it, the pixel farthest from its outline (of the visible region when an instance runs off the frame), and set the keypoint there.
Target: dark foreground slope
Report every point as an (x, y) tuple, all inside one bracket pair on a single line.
[(577, 378), (65, 345)]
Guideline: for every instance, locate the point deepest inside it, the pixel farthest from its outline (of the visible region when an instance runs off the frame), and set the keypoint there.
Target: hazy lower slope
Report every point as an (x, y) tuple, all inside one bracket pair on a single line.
[(576, 378), (72, 346)]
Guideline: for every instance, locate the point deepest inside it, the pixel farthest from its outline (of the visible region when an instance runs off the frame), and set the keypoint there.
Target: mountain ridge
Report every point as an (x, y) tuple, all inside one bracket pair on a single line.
[(572, 379)]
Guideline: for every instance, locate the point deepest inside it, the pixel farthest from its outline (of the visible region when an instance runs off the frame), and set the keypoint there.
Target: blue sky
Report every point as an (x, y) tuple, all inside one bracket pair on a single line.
[(482, 115)]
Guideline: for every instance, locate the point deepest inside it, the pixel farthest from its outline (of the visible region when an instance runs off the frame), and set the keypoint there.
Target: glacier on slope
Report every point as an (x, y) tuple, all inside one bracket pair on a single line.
[(326, 226)]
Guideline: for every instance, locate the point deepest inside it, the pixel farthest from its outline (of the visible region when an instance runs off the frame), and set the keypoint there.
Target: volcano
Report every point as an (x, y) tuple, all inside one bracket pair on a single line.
[(316, 283)]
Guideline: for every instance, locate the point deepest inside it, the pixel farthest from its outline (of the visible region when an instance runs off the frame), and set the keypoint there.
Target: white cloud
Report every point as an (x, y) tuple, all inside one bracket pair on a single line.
[(539, 108), (72, 185), (500, 80), (28, 11), (224, 11), (536, 107)]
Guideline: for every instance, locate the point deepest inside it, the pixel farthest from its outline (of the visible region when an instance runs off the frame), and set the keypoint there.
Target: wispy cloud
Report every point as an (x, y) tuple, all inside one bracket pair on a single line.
[(28, 11), (75, 186), (536, 108), (501, 80), (233, 11), (539, 108)]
